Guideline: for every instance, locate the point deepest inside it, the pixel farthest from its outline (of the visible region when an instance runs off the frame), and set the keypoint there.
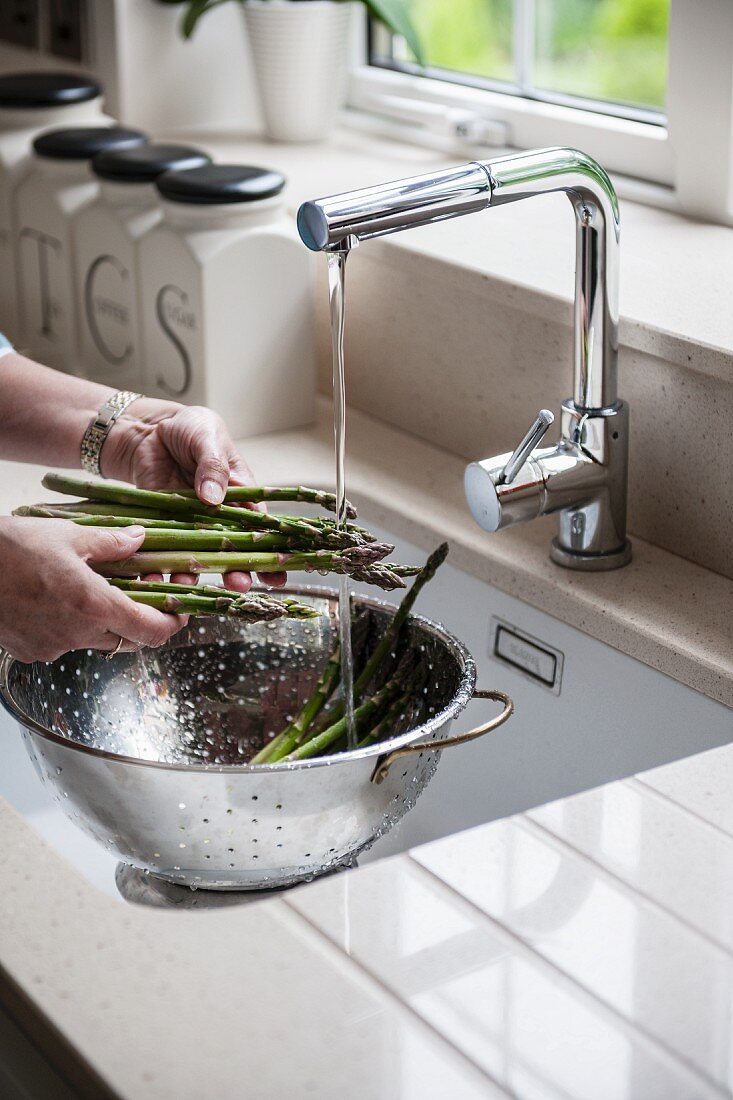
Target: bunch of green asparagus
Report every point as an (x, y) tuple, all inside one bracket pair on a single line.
[(320, 727), (182, 535)]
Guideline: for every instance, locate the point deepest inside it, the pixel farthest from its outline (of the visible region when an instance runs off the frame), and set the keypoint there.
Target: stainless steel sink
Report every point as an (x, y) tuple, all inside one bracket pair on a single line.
[(585, 715)]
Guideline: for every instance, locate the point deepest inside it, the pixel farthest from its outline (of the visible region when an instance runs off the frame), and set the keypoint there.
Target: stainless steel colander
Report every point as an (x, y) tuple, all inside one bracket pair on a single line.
[(145, 752)]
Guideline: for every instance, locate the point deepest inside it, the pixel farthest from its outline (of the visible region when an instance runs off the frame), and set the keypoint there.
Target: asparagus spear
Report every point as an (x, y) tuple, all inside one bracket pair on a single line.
[(362, 714), (286, 741), (251, 611), (326, 523), (398, 620), (184, 503), (92, 519), (405, 709), (396, 623), (71, 509), (406, 570), (126, 514), (386, 577), (195, 525), (188, 599), (130, 584), (133, 512), (356, 559), (385, 727), (230, 540), (237, 494), (175, 504)]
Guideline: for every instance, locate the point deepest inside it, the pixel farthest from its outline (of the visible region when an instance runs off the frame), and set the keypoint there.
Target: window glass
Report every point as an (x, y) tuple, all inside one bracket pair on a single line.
[(474, 37), (613, 52)]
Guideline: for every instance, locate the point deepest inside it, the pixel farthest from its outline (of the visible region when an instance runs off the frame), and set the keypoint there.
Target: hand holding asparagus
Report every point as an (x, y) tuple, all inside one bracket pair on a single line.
[(184, 537)]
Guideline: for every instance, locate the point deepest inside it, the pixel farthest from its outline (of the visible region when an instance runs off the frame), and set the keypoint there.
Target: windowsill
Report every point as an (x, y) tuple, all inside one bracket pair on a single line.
[(676, 272)]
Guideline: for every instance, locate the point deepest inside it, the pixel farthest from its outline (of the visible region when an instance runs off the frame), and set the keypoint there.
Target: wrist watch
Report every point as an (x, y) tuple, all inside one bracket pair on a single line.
[(100, 427)]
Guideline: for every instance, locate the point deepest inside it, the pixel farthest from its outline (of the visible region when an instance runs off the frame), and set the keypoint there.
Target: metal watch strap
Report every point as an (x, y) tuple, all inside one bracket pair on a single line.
[(99, 428)]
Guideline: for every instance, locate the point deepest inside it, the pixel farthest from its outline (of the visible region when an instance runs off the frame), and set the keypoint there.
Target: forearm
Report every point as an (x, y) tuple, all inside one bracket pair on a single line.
[(45, 414)]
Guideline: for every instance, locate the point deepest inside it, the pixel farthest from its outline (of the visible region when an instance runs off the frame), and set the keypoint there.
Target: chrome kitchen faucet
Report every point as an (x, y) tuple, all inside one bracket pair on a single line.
[(583, 476)]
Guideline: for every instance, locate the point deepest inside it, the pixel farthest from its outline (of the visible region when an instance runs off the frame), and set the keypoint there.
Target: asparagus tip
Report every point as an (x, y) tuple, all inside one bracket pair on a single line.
[(366, 553), (437, 558)]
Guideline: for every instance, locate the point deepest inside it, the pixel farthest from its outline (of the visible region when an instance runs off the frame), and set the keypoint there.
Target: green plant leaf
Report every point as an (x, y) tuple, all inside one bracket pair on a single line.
[(196, 8), (395, 14), (193, 13)]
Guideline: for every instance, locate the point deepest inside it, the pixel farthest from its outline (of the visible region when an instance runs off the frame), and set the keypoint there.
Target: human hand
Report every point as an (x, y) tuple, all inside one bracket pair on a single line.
[(164, 445), (52, 602)]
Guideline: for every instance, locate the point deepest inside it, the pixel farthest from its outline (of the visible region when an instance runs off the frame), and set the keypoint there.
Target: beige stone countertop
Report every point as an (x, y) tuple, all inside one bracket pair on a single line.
[(283, 998)]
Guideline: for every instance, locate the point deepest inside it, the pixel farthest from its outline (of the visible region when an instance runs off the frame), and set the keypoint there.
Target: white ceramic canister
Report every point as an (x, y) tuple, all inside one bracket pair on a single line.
[(57, 185), (106, 232), (227, 301), (29, 103)]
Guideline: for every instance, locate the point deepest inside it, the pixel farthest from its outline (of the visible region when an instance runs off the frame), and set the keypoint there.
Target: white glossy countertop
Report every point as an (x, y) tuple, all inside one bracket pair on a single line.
[(584, 949)]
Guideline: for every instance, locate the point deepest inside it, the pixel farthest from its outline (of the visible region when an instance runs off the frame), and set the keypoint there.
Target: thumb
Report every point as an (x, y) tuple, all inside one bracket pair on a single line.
[(111, 544), (212, 474)]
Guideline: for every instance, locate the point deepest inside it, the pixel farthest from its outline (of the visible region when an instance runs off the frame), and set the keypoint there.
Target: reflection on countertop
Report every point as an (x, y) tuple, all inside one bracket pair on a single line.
[(582, 949)]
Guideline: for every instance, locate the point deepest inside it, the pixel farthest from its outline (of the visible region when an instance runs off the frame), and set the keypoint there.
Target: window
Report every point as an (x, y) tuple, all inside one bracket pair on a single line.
[(610, 55), (644, 86)]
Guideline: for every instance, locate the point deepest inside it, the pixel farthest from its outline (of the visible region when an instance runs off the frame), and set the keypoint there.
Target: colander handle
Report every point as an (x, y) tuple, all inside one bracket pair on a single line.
[(384, 763)]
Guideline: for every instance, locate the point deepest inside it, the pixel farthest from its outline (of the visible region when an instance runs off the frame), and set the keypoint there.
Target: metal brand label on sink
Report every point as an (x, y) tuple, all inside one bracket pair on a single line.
[(534, 658)]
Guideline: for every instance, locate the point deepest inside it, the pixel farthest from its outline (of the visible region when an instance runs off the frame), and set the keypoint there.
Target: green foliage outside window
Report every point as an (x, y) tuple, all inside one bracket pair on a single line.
[(601, 49)]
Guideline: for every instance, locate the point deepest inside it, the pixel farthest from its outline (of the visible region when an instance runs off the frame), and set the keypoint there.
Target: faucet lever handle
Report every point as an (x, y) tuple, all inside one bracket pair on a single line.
[(535, 434)]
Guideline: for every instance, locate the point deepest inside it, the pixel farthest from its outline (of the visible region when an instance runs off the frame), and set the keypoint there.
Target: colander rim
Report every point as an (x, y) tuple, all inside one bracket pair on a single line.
[(459, 701)]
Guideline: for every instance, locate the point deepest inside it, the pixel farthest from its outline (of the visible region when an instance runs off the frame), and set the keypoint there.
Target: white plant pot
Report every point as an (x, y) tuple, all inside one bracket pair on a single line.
[(300, 58)]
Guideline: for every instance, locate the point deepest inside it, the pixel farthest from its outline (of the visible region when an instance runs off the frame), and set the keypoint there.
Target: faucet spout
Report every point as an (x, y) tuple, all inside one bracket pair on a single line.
[(422, 200), (392, 207)]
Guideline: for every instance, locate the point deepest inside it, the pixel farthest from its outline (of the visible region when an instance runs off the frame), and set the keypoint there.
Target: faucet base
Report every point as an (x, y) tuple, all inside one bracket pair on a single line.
[(590, 563)]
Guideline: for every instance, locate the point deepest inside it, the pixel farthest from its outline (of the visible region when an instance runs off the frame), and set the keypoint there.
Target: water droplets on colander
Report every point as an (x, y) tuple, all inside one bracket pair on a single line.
[(148, 752)]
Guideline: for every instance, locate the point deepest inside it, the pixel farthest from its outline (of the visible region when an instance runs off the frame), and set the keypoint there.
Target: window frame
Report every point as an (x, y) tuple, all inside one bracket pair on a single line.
[(687, 157)]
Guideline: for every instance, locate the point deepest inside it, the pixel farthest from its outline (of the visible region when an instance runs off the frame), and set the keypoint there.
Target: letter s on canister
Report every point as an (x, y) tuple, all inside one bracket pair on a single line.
[(172, 312)]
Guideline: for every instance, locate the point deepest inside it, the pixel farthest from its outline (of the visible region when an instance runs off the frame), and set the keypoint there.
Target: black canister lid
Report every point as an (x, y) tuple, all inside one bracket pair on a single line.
[(221, 183), (83, 142), (144, 163), (43, 89)]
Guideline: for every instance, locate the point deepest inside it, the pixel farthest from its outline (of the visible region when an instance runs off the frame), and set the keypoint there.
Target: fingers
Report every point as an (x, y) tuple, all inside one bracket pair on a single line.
[(212, 465), (241, 474), (108, 544), (274, 580), (237, 581), (239, 471), (242, 582), (111, 645), (119, 543), (134, 622)]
